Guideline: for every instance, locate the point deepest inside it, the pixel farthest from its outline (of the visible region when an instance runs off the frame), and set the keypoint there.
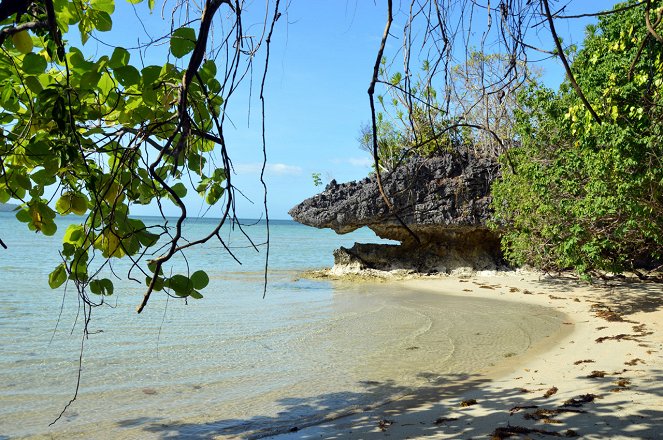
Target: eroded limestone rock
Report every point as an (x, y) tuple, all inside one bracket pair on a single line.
[(444, 201)]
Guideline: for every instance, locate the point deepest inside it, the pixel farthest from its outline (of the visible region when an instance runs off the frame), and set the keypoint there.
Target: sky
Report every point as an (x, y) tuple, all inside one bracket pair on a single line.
[(321, 63)]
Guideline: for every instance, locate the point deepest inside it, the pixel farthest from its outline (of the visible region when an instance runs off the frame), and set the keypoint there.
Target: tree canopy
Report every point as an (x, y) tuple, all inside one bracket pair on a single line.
[(586, 187), (95, 134)]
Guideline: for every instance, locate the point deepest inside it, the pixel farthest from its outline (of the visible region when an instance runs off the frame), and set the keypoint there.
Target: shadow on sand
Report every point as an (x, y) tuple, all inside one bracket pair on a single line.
[(436, 410), (439, 412)]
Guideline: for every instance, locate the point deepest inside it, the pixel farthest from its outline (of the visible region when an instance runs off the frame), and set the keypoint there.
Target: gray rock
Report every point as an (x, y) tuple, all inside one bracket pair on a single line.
[(444, 201)]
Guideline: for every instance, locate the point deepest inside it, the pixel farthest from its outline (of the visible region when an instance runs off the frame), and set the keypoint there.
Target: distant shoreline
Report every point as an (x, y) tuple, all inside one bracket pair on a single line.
[(7, 207)]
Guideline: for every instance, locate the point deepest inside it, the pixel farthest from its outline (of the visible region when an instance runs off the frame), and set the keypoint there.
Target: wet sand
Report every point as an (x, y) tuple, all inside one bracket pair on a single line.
[(602, 379)]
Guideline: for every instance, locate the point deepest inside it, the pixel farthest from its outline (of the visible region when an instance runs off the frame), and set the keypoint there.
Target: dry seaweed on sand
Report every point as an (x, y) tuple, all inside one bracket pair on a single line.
[(550, 392), (580, 400), (634, 362), (441, 420), (468, 402), (605, 312), (584, 361), (549, 414), (619, 337), (383, 424), (509, 431), (622, 385), (642, 330), (596, 373), (517, 408)]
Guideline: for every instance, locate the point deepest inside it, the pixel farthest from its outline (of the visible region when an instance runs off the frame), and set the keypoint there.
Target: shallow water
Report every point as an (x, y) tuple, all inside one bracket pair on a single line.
[(233, 362)]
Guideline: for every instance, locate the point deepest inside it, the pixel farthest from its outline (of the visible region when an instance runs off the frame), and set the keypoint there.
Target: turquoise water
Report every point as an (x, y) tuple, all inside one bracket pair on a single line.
[(232, 363)]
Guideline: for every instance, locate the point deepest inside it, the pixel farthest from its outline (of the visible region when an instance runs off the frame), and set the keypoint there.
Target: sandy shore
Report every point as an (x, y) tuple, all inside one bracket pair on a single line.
[(603, 378)]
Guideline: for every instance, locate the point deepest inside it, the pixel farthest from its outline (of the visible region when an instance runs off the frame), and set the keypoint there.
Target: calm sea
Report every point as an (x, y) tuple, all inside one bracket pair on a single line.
[(232, 363)]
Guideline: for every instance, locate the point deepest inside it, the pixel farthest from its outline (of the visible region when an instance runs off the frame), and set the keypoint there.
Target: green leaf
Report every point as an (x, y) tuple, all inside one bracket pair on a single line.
[(120, 58), (57, 277), (101, 20), (147, 238), (179, 189), (214, 193), (107, 6), (106, 83), (200, 279), (149, 75), (152, 265), (34, 64), (77, 60), (103, 286), (89, 80), (74, 234), (23, 215), (127, 75), (208, 70), (182, 41), (180, 284), (63, 205), (48, 228), (33, 84), (158, 284), (23, 181)]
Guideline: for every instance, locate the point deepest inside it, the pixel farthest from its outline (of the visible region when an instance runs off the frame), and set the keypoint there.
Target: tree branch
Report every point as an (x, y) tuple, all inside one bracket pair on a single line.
[(650, 27), (6, 32), (11, 7), (569, 74)]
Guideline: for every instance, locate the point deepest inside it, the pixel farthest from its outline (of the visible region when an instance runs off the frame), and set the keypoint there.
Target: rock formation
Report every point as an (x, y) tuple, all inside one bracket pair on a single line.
[(440, 209)]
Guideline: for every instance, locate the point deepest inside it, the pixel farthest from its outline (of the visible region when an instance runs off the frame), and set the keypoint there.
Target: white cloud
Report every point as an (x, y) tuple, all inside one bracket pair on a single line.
[(279, 169), (362, 162)]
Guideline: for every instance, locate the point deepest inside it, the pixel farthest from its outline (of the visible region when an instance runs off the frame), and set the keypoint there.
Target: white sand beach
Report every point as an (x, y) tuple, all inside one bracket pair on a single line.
[(603, 378)]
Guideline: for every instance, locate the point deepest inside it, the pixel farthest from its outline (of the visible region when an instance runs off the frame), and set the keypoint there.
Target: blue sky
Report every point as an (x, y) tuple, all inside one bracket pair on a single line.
[(320, 68)]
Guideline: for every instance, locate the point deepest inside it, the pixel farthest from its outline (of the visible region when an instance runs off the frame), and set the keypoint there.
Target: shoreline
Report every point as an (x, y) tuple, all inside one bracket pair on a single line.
[(601, 378)]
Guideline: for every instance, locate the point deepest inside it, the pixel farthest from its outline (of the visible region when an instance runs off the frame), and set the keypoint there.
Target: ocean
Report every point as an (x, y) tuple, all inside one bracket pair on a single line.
[(233, 363)]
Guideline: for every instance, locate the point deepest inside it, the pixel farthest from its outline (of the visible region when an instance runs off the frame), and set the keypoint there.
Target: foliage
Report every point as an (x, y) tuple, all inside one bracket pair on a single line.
[(411, 121), (98, 134), (476, 116), (317, 179), (581, 193), (484, 92)]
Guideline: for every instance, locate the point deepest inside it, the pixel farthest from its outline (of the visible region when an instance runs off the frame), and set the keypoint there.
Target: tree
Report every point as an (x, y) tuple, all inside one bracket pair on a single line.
[(99, 133), (603, 210), (586, 189), (481, 103)]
